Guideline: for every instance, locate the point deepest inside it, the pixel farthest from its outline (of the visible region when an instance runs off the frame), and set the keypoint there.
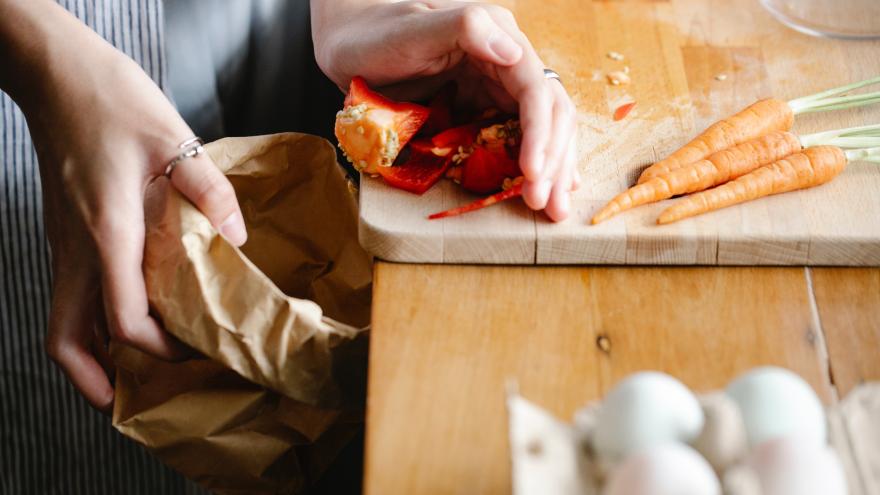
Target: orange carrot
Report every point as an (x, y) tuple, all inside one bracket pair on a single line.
[(811, 167), (718, 168), (757, 119)]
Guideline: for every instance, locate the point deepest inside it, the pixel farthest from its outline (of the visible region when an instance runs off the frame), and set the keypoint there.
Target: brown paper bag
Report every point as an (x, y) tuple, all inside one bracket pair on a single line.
[(279, 323)]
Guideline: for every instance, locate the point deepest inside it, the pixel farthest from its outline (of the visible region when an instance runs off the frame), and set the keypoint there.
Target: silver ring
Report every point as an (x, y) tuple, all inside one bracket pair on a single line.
[(192, 148), (552, 74)]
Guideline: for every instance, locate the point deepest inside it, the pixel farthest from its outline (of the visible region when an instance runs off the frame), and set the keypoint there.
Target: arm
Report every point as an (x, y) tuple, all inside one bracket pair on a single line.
[(411, 47), (102, 130)]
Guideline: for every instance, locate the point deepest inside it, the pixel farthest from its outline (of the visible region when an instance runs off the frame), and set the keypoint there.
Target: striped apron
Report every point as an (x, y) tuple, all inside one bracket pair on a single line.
[(51, 441)]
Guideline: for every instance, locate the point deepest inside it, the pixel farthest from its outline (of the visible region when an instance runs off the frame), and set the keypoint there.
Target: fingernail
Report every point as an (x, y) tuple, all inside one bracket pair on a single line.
[(232, 229), (505, 48)]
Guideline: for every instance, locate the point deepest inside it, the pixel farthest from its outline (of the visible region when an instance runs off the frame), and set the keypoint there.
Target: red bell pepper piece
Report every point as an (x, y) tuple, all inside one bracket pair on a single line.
[(484, 170), (421, 170), (372, 129), (514, 191), (450, 140), (408, 118), (441, 105), (623, 110)]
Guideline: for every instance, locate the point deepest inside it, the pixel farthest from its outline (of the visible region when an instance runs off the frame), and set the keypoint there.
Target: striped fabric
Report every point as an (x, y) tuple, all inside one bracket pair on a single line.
[(51, 441)]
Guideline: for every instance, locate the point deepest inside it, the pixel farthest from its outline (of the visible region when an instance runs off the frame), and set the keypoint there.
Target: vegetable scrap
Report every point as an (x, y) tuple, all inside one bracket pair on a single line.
[(623, 110), (513, 191), (412, 146), (373, 128), (618, 78)]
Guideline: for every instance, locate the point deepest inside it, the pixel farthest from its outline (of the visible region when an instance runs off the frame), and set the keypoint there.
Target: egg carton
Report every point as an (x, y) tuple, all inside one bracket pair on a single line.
[(554, 457)]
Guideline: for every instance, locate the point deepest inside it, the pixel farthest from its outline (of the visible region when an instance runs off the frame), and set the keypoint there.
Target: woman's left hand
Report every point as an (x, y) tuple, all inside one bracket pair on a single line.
[(411, 48)]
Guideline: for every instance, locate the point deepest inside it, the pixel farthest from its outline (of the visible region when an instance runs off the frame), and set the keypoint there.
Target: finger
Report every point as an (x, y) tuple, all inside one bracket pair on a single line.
[(526, 84), (559, 203), (563, 127), (71, 322), (474, 31), (536, 193), (202, 183), (571, 163), (120, 241), (100, 347)]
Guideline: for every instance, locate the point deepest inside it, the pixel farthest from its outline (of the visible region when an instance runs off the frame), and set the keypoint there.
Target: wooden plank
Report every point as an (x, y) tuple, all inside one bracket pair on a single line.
[(446, 339), (848, 302)]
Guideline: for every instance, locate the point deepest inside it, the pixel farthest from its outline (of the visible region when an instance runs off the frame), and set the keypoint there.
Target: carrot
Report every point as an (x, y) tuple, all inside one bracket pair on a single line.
[(757, 119), (514, 191), (754, 121), (718, 168), (809, 168)]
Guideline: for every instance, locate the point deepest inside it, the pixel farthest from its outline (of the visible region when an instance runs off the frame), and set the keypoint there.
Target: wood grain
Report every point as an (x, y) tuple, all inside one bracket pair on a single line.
[(674, 50), (446, 339), (848, 302)]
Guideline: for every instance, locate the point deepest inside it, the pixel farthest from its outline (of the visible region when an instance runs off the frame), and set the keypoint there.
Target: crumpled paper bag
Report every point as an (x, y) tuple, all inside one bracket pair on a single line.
[(279, 323)]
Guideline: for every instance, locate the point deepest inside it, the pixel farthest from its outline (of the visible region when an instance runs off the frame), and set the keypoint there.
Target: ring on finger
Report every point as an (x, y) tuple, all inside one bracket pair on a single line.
[(552, 74), (191, 148)]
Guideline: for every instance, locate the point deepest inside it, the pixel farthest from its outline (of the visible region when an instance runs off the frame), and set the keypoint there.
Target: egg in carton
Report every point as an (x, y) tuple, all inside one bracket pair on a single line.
[(766, 434)]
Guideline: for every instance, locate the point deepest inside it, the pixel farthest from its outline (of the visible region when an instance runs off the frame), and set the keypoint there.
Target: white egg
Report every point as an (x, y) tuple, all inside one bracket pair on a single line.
[(645, 409), (797, 466), (723, 439), (669, 469), (775, 402)]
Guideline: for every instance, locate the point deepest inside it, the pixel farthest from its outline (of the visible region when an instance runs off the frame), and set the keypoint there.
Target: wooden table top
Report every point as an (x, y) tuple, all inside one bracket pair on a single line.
[(446, 339)]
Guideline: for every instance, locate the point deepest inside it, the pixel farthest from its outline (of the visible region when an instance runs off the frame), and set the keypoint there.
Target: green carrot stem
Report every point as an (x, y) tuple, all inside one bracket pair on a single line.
[(834, 91), (824, 137), (869, 154), (835, 103), (854, 142)]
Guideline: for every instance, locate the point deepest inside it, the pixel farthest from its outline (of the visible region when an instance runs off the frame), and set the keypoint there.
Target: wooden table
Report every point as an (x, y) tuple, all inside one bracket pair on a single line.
[(445, 339)]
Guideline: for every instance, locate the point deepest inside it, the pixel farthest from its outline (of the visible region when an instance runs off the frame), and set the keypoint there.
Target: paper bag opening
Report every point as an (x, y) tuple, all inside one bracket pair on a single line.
[(280, 322)]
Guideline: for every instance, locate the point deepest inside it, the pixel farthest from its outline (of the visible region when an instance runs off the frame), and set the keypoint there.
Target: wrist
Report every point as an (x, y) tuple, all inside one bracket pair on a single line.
[(42, 47)]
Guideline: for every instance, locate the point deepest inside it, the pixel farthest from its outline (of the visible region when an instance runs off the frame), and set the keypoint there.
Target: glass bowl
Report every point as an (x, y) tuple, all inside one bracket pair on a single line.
[(845, 19)]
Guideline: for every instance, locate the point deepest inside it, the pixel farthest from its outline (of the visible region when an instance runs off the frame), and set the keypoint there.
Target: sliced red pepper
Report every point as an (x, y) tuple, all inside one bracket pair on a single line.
[(484, 170), (372, 129), (421, 170), (450, 140), (514, 191), (409, 117), (623, 110), (441, 105)]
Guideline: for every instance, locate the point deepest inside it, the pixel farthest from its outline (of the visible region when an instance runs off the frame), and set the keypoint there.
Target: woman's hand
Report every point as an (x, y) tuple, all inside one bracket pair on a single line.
[(479, 45), (103, 130)]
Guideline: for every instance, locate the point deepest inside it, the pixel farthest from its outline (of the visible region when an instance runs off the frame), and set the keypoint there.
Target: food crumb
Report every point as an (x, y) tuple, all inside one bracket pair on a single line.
[(721, 77), (534, 447), (626, 69), (618, 78), (623, 110), (615, 56)]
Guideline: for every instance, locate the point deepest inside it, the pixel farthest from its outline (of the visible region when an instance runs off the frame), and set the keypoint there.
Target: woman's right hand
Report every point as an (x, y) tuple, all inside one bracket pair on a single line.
[(103, 131)]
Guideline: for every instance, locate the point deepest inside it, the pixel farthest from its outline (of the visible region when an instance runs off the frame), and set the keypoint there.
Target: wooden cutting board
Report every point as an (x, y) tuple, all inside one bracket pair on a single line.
[(674, 50)]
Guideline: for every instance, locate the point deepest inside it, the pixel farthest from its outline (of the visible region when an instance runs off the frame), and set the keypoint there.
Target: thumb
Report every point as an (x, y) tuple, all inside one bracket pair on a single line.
[(473, 30), (202, 183)]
